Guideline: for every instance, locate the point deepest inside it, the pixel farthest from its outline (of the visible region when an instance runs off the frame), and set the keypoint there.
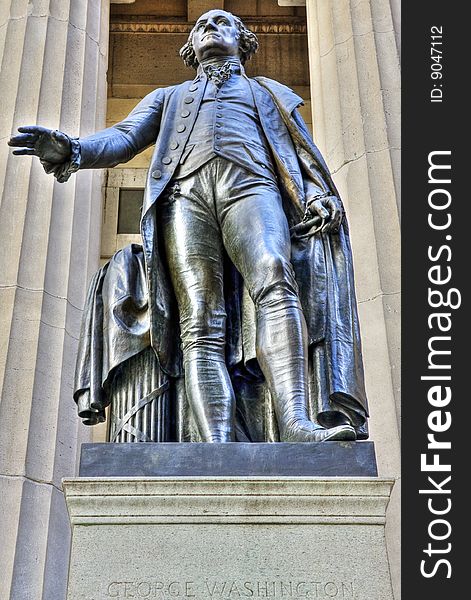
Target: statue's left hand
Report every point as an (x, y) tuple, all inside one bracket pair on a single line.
[(49, 145), (329, 208)]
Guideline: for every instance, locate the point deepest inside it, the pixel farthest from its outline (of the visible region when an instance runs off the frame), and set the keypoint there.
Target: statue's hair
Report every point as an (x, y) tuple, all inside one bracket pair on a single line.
[(248, 45)]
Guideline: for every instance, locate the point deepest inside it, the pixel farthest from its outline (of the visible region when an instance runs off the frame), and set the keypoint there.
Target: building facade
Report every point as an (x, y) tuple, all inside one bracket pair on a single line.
[(78, 65)]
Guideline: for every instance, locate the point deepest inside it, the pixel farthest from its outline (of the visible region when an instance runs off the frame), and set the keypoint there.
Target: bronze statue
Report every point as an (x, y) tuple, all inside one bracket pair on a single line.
[(243, 232)]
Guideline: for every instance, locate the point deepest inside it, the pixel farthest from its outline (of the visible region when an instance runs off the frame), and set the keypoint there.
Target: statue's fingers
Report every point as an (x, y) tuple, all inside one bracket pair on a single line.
[(332, 225), (327, 227), (330, 222), (320, 209), (34, 129), (25, 139), (336, 213), (58, 135), (336, 220), (25, 151)]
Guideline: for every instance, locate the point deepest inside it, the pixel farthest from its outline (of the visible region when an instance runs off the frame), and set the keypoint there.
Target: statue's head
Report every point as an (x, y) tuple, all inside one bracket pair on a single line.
[(218, 33)]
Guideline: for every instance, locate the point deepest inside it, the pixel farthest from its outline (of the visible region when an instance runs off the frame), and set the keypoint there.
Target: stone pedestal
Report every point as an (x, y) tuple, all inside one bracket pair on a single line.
[(169, 459), (215, 537)]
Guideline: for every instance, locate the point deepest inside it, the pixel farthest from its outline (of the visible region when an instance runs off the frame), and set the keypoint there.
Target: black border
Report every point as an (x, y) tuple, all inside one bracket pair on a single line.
[(428, 127)]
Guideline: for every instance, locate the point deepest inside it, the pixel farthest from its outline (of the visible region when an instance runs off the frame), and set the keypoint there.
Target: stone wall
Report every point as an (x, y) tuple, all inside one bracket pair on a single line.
[(53, 72), (355, 95)]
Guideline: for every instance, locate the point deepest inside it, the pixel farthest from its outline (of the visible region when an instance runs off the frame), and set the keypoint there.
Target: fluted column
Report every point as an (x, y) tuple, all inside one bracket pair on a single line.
[(53, 72), (355, 92)]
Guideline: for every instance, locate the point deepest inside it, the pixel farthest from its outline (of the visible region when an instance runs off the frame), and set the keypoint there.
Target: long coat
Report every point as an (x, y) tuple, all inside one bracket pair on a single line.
[(322, 262)]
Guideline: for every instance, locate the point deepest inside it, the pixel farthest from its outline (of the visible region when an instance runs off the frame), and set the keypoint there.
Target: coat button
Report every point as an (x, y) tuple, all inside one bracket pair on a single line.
[(166, 160), (193, 88), (181, 128), (157, 174), (174, 145), (189, 100), (185, 113)]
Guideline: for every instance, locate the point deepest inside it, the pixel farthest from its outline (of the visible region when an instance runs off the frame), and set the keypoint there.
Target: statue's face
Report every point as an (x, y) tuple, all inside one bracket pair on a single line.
[(215, 34)]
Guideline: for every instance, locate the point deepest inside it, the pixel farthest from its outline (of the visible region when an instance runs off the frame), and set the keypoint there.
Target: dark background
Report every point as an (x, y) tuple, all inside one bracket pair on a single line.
[(428, 127)]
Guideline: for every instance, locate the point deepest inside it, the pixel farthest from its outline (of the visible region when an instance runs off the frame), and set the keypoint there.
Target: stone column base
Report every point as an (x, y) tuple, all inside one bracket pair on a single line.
[(218, 538)]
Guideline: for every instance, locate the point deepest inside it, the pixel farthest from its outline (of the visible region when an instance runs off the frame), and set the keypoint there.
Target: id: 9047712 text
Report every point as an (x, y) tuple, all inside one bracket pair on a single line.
[(436, 63)]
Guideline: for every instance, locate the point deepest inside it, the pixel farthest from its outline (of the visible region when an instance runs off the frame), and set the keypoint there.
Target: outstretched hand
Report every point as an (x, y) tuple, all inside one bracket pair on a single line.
[(49, 145), (329, 209)]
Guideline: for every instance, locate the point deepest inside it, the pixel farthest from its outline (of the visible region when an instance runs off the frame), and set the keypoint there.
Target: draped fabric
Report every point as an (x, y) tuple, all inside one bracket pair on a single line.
[(117, 366)]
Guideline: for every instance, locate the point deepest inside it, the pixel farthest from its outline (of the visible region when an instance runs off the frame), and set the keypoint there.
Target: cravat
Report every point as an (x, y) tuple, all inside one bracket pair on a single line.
[(218, 74)]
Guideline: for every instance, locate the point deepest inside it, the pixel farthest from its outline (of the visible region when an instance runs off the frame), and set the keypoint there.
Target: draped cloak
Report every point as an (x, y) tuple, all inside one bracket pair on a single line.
[(131, 306)]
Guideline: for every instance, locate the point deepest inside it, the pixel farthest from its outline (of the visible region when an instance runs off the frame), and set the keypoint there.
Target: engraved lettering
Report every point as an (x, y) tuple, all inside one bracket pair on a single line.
[(248, 586), (189, 591), (286, 588), (330, 589), (301, 588), (144, 589), (347, 587), (236, 589), (263, 591), (214, 591), (174, 588)]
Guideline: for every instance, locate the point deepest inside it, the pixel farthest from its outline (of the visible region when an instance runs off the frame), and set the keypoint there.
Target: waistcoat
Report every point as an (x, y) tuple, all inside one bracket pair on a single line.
[(228, 126)]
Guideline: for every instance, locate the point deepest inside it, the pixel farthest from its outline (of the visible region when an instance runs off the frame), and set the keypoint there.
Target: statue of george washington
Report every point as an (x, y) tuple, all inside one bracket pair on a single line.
[(244, 285)]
